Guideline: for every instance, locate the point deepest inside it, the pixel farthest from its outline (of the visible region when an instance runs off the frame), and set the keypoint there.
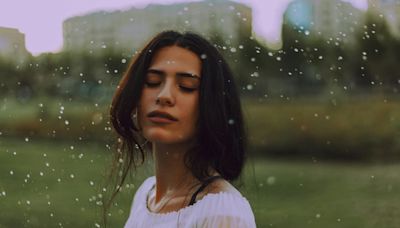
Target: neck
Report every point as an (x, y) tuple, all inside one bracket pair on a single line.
[(172, 177)]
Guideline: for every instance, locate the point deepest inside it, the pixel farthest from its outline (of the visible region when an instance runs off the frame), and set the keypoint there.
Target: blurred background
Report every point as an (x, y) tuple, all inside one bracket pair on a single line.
[(319, 83)]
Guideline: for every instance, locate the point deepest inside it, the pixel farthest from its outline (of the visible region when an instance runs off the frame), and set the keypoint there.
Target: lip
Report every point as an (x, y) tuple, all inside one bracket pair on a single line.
[(161, 117), (160, 120)]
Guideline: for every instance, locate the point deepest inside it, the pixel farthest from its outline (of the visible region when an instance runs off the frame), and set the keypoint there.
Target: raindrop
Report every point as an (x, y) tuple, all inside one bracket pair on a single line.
[(203, 56), (278, 58), (231, 121), (26, 139), (271, 180), (91, 183), (123, 60), (249, 87), (254, 74), (66, 122), (317, 216), (11, 172), (233, 50)]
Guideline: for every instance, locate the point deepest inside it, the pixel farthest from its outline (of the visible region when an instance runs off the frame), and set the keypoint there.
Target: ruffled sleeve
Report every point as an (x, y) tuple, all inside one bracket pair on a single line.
[(224, 221), (223, 210)]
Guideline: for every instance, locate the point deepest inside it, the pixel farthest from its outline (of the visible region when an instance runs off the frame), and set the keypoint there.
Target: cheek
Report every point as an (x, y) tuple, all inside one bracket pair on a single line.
[(192, 113)]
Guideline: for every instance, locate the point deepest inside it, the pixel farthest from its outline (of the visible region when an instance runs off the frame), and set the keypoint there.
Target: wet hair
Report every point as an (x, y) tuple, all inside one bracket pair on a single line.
[(221, 138)]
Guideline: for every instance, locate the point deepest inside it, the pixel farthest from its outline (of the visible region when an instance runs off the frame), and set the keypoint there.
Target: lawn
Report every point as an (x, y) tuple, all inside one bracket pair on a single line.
[(60, 184)]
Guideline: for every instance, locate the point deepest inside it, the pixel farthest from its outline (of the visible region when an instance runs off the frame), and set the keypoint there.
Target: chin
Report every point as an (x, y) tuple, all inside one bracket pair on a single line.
[(162, 136)]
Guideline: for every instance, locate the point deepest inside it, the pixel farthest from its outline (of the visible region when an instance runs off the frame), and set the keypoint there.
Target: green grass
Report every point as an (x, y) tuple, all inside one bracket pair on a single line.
[(50, 186)]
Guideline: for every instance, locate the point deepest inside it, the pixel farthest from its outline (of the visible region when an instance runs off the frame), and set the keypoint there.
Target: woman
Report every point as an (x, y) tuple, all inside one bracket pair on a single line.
[(179, 97)]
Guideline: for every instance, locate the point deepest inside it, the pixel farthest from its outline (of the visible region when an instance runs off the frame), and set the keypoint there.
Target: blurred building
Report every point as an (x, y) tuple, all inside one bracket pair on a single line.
[(331, 19), (12, 44), (130, 29), (390, 9)]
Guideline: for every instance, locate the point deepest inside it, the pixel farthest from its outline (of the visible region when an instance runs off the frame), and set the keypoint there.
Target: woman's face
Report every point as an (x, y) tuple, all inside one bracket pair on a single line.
[(172, 85)]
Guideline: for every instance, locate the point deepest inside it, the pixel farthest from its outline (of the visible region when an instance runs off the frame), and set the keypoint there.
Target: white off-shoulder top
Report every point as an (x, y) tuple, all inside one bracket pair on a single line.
[(214, 210)]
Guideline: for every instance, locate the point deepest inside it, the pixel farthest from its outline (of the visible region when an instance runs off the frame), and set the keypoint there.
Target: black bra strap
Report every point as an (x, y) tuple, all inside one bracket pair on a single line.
[(205, 183)]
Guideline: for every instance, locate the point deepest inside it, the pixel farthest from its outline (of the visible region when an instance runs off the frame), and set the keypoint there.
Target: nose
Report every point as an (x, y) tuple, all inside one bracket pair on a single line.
[(165, 97)]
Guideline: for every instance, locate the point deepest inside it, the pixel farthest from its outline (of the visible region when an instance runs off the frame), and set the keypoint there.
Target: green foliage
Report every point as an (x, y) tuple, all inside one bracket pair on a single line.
[(365, 128)]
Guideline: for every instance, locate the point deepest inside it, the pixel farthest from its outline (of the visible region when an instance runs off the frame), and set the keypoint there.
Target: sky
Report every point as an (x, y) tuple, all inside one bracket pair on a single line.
[(41, 20)]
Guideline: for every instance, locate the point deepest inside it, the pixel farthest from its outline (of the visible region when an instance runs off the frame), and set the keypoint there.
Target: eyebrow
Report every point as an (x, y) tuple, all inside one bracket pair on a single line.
[(179, 74)]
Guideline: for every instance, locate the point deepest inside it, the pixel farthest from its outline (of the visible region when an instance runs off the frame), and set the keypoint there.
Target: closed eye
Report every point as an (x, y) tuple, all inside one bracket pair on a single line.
[(183, 88)]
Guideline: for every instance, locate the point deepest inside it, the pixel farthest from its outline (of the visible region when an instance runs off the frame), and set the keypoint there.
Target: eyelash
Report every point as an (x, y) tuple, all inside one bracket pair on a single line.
[(152, 85)]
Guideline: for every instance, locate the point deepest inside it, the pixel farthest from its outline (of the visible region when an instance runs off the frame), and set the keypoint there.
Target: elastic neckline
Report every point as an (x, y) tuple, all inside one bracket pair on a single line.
[(187, 208), (208, 196)]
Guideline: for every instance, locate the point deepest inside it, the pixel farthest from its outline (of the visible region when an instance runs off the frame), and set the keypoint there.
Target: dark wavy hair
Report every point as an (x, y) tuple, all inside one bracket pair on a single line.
[(221, 142)]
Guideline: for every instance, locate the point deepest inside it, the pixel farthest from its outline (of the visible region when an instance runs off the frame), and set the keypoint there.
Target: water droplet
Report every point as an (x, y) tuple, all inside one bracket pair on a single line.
[(123, 60), (271, 180), (66, 122)]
